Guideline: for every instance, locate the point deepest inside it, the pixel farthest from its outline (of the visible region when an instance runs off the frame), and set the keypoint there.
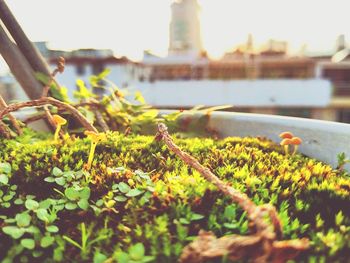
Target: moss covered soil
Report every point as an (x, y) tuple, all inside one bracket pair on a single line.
[(140, 203)]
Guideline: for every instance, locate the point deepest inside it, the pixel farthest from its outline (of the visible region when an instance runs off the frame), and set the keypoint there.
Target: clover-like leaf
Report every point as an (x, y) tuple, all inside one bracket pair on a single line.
[(4, 179), (120, 198), (52, 229), (72, 194), (42, 214), (85, 193), (137, 251), (23, 219), (47, 241), (49, 179), (60, 181), (123, 187), (31, 204), (70, 206), (134, 192), (28, 243), (5, 168), (13, 231), (83, 204), (57, 171)]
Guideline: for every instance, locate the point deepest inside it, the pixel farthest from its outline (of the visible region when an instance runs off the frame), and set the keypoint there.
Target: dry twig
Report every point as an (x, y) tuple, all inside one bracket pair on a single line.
[(13, 120), (49, 101), (267, 232)]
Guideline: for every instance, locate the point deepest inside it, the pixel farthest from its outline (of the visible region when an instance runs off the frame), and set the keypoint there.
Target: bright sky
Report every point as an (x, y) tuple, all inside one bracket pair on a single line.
[(131, 26)]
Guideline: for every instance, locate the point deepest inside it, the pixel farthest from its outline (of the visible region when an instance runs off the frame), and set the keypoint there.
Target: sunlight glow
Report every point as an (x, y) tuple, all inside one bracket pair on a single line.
[(129, 27)]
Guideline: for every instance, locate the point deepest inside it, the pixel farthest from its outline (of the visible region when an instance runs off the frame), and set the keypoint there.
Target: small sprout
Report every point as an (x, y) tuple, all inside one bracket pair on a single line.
[(286, 135), (95, 138), (296, 141), (286, 143), (59, 121)]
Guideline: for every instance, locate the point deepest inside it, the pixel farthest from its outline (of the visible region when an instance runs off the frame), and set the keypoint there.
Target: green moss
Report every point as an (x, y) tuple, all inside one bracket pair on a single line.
[(165, 206)]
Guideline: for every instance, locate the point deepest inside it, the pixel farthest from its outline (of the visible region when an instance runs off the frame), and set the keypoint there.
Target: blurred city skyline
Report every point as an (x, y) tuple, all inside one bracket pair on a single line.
[(130, 27)]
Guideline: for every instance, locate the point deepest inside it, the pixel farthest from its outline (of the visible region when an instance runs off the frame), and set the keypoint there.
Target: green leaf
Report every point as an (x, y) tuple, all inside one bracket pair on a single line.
[(99, 202), (122, 257), (184, 221), (83, 204), (134, 192), (139, 97), (71, 194), (31, 204), (6, 204), (28, 243), (123, 187), (137, 251), (83, 92), (42, 214), (147, 259), (7, 197), (195, 217), (49, 179), (230, 225), (73, 242), (57, 171), (13, 231), (47, 241), (37, 253), (23, 219), (18, 201), (70, 206), (99, 257), (4, 179), (120, 198), (110, 203), (85, 193), (46, 203), (5, 168), (60, 181), (339, 218), (52, 229), (230, 212)]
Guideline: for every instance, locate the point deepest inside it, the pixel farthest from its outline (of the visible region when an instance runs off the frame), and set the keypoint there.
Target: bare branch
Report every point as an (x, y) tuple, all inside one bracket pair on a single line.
[(255, 213), (49, 101), (13, 120), (262, 246)]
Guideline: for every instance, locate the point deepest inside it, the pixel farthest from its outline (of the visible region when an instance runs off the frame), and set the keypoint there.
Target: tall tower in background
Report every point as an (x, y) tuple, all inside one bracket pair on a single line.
[(185, 36)]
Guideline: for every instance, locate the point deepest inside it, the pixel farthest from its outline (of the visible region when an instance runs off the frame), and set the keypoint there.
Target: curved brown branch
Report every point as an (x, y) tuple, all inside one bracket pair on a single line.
[(255, 213), (208, 247), (49, 101), (263, 244), (13, 120)]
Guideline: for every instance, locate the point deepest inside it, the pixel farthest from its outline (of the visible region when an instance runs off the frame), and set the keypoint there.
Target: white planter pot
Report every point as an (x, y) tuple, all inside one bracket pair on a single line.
[(322, 140)]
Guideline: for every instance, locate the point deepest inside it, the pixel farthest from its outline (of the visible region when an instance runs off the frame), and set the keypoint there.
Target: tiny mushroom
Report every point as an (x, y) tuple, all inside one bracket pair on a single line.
[(94, 138), (296, 141), (59, 121), (286, 142), (286, 135)]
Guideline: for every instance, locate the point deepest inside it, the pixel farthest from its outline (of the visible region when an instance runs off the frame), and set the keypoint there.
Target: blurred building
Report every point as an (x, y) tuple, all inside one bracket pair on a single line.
[(184, 31), (263, 79)]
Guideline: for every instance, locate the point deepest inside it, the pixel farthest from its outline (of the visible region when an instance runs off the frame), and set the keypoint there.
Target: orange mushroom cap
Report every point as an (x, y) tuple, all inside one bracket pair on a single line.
[(59, 120), (286, 135), (296, 140), (94, 136), (286, 141)]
